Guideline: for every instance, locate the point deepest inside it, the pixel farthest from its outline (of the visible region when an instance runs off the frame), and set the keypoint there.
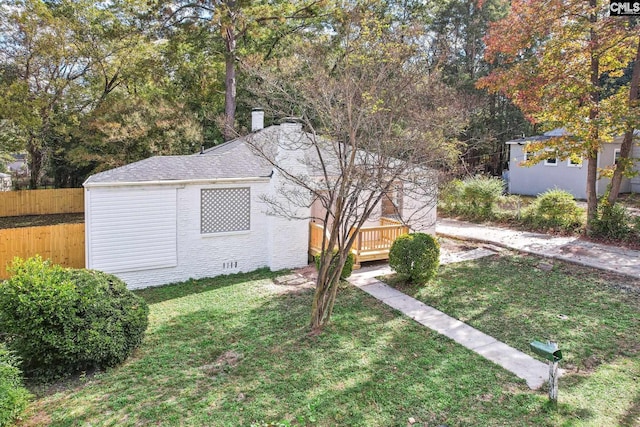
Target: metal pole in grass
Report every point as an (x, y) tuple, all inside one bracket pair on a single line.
[(553, 376), (552, 353)]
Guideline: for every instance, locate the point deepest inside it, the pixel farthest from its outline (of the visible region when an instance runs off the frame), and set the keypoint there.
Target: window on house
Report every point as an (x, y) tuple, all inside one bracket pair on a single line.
[(551, 161), (574, 162), (616, 156), (392, 202), (528, 154), (225, 210)]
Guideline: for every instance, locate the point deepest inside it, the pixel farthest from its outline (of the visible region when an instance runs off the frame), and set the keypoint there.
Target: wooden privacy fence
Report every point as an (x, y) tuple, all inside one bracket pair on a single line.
[(63, 244), (42, 202)]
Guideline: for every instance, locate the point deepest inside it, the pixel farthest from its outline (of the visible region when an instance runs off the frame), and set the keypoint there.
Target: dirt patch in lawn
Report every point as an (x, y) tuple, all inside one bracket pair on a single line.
[(448, 245), (40, 220)]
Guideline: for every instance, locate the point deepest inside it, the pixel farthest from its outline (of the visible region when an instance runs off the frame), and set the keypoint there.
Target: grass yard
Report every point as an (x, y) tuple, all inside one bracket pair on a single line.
[(235, 351), (594, 316)]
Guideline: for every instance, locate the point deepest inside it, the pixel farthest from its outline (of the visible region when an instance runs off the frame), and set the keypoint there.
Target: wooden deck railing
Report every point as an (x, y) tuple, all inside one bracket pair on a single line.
[(371, 244), (315, 238)]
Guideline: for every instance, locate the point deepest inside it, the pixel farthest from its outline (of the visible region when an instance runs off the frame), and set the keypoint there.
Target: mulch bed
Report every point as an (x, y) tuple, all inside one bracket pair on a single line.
[(40, 220)]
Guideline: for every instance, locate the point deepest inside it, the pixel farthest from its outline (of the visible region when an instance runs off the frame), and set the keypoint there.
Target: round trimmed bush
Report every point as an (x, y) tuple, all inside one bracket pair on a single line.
[(348, 264), (415, 257), (554, 209), (13, 396), (61, 321)]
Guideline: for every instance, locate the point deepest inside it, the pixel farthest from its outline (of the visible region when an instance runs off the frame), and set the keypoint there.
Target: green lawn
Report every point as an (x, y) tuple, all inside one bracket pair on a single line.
[(594, 316), (235, 351)]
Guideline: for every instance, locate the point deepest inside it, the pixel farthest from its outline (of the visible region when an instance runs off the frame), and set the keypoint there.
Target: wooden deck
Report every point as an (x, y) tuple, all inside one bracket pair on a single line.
[(371, 244)]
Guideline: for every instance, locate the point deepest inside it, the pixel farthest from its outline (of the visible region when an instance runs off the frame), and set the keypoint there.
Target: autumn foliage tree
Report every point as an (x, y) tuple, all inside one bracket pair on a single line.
[(556, 60), (377, 122)]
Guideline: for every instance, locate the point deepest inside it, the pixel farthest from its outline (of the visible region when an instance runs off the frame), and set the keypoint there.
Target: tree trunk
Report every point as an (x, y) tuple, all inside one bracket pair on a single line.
[(592, 178), (328, 274), (594, 136), (35, 164), (326, 288), (230, 84), (627, 142)]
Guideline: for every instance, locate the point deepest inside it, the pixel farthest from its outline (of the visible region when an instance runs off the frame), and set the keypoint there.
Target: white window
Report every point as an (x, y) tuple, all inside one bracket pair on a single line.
[(551, 161), (574, 162), (225, 210), (616, 156)]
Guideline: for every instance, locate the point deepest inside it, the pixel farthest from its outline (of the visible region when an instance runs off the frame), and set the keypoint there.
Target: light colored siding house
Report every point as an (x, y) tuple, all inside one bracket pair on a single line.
[(172, 218), (5, 182), (563, 174)]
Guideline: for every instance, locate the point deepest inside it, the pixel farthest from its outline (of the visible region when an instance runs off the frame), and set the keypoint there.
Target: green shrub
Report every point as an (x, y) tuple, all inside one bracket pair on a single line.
[(13, 396), (613, 222), (635, 223), (450, 197), (473, 198), (415, 257), (348, 264), (554, 210), (61, 321)]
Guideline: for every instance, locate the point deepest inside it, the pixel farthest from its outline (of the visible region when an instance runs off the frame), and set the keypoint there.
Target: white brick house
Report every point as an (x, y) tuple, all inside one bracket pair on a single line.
[(170, 218)]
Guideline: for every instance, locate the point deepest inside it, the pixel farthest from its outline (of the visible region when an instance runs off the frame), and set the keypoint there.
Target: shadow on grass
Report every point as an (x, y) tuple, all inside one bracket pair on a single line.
[(632, 416), (192, 286), (244, 356)]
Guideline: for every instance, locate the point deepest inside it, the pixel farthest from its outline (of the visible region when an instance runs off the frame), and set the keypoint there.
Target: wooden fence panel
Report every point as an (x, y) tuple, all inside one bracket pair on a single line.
[(42, 202), (63, 244)]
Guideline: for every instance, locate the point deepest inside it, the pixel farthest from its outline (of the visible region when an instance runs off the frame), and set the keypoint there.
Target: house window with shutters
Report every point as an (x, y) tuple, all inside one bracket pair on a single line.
[(225, 210)]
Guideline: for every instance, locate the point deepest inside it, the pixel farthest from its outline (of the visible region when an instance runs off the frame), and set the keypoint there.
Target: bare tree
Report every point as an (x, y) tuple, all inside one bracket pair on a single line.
[(385, 122)]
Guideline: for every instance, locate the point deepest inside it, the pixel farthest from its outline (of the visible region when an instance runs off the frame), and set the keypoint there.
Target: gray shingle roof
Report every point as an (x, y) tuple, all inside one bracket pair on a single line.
[(528, 139), (233, 159)]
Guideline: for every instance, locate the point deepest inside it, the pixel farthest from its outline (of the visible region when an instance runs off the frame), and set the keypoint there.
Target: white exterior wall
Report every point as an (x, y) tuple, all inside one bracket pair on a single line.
[(536, 179), (131, 228), (419, 210), (290, 231), (288, 240), (635, 181), (200, 256), (606, 159)]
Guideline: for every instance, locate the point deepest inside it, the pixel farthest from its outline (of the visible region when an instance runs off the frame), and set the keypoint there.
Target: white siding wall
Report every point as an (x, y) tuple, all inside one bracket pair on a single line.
[(635, 181), (131, 229), (200, 256), (536, 179)]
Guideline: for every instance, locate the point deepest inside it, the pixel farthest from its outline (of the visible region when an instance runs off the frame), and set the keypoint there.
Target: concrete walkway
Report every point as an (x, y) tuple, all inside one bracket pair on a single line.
[(572, 249), (535, 373)]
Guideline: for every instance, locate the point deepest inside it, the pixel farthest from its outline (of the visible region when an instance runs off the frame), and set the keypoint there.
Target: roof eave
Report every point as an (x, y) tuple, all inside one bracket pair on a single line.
[(89, 184)]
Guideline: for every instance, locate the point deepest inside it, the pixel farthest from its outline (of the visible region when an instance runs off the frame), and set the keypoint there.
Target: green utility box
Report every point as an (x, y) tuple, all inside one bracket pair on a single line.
[(547, 350)]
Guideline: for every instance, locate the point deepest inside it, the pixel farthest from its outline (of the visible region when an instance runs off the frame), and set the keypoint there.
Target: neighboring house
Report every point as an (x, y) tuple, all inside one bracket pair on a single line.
[(569, 174), (168, 219), (19, 165), (5, 182)]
